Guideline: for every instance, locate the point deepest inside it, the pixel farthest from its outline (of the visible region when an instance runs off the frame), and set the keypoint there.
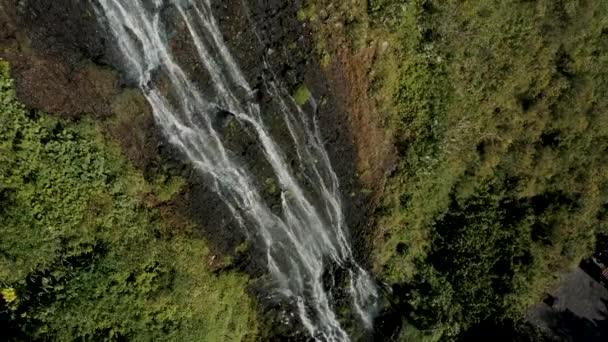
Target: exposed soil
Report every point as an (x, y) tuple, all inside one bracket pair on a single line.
[(349, 80), (53, 55)]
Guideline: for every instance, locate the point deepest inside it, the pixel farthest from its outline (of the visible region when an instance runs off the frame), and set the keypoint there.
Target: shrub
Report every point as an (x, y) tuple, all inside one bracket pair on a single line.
[(83, 257)]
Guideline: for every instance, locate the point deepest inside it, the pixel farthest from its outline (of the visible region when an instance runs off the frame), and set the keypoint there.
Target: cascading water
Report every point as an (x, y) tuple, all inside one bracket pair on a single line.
[(309, 232)]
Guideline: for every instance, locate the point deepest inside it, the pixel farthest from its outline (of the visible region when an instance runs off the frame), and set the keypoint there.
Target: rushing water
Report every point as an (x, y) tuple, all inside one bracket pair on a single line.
[(309, 232)]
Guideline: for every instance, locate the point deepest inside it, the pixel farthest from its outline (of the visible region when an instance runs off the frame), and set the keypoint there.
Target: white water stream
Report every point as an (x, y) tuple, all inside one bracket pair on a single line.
[(308, 233)]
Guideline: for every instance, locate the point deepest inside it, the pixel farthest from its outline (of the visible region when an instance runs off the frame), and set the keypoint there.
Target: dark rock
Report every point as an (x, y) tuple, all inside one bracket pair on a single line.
[(61, 58)]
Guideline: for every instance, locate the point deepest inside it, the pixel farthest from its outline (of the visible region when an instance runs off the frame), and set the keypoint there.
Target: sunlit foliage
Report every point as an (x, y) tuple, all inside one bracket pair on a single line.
[(83, 253)]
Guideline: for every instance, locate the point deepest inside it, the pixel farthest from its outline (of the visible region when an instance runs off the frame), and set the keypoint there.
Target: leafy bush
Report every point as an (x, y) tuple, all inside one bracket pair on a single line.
[(501, 123), (301, 94), (81, 254)]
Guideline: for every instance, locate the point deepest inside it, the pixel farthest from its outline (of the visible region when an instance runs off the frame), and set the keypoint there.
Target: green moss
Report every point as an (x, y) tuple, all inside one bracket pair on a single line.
[(85, 258), (270, 186), (233, 130), (301, 14), (324, 59), (307, 13), (4, 68), (242, 247), (301, 94)]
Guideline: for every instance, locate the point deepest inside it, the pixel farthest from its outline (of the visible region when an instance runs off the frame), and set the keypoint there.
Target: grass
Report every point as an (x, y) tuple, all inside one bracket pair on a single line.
[(84, 256)]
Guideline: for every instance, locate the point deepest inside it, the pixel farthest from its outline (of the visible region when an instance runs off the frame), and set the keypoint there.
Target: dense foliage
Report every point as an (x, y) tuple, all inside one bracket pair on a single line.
[(498, 112), (85, 253), (500, 118)]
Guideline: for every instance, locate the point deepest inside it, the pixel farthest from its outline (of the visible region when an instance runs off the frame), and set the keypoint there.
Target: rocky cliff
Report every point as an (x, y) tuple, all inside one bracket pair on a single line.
[(64, 62)]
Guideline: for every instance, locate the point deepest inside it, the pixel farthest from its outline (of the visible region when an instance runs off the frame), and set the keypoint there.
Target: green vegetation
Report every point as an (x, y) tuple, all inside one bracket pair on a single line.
[(301, 94), (500, 119), (308, 12), (85, 253), (499, 116)]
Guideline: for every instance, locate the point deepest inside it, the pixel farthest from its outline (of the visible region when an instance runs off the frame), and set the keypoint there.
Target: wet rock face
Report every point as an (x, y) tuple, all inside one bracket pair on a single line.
[(63, 61), (288, 49), (61, 58), (269, 44)]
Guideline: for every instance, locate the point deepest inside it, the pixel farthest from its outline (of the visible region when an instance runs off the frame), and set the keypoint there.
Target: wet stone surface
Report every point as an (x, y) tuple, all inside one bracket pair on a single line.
[(64, 60)]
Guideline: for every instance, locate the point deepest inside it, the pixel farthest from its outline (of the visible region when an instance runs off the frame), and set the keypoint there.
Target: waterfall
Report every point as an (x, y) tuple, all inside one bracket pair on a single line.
[(310, 231)]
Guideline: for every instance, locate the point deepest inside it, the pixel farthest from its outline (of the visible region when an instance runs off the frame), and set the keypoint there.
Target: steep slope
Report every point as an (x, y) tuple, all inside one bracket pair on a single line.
[(498, 113)]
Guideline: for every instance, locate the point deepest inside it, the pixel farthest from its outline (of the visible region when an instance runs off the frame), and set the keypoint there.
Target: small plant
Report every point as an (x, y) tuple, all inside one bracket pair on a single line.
[(301, 94), (307, 13)]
